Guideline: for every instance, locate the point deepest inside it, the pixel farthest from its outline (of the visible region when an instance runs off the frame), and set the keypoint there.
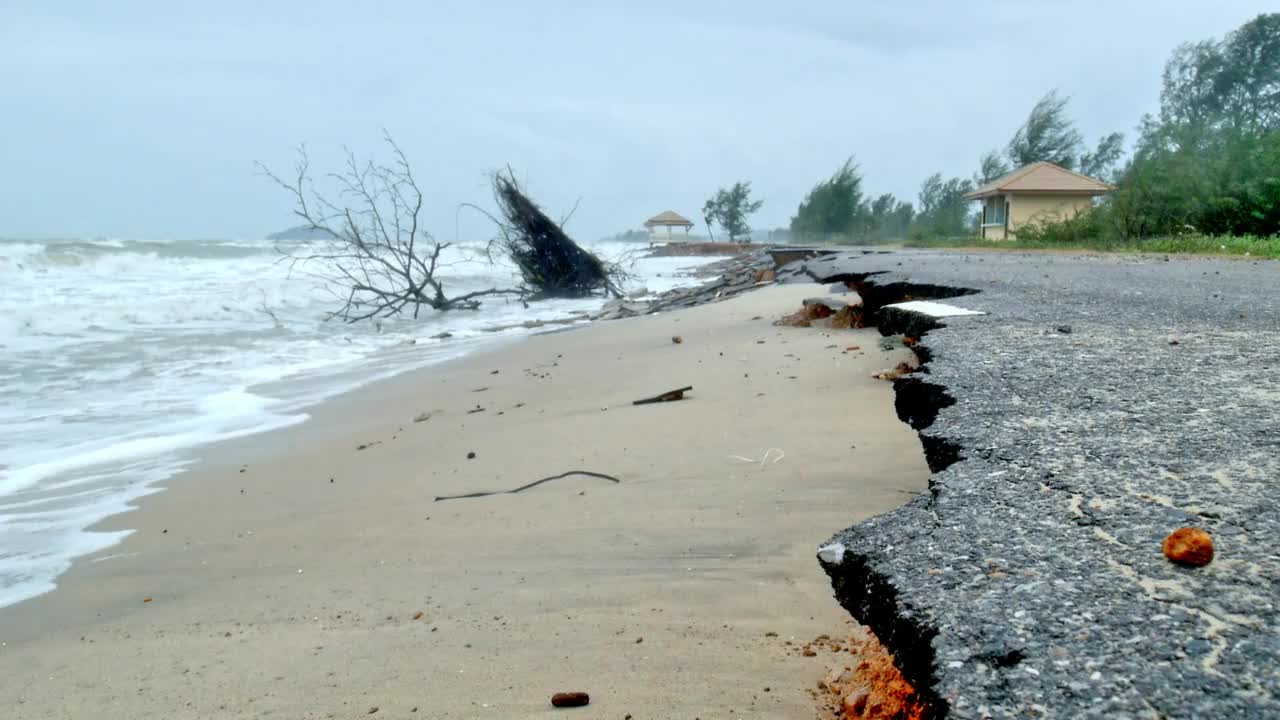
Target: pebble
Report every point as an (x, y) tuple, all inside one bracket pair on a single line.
[(1189, 546), (570, 699)]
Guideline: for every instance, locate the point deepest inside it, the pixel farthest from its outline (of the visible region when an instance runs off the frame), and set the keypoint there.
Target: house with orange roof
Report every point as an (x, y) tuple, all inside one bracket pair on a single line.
[(1038, 193)]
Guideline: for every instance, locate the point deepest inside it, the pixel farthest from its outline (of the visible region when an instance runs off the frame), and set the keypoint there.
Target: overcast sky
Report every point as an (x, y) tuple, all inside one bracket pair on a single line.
[(143, 119)]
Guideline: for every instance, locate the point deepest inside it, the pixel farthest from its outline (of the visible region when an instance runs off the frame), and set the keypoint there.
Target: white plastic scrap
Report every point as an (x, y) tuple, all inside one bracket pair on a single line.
[(934, 309), (832, 554)]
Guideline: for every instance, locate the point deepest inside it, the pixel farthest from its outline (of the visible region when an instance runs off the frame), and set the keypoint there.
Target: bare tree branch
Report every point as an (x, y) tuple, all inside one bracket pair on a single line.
[(369, 246)]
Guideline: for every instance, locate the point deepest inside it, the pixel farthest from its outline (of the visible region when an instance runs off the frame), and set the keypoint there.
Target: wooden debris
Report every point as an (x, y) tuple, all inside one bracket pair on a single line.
[(668, 396), (535, 483)]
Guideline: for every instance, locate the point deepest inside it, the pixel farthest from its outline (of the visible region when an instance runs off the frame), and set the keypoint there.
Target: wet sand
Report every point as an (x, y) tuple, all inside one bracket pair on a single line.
[(325, 581)]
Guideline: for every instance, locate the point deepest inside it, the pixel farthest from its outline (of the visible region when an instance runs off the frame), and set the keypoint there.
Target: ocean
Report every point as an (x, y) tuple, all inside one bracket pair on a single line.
[(120, 358)]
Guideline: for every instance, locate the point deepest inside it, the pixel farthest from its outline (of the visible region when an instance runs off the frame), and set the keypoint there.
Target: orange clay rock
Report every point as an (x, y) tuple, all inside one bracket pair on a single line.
[(900, 370), (849, 316), (871, 689), (1189, 546), (805, 316)]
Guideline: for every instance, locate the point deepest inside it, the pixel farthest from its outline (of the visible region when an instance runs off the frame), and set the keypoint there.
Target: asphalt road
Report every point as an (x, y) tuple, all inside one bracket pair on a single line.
[(1100, 403)]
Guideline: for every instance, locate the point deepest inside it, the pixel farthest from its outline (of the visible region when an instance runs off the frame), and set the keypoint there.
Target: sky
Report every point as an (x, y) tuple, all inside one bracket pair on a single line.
[(145, 119)]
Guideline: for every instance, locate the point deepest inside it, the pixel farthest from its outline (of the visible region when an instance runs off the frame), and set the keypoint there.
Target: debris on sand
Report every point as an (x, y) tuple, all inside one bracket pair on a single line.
[(825, 312), (668, 396), (901, 369), (535, 483), (889, 343), (866, 684), (570, 699)]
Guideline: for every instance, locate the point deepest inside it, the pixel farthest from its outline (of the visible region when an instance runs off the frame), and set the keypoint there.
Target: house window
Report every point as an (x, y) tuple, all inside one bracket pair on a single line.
[(993, 210)]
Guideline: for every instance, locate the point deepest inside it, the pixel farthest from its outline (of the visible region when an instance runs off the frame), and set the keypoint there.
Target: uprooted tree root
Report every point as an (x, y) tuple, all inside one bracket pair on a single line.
[(550, 262)]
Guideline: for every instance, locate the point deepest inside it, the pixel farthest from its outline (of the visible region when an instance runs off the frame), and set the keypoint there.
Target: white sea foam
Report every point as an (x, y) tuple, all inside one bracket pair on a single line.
[(119, 356)]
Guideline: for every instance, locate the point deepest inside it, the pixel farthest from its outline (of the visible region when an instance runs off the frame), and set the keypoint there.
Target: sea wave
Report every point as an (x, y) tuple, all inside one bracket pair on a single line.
[(118, 357), (20, 254)]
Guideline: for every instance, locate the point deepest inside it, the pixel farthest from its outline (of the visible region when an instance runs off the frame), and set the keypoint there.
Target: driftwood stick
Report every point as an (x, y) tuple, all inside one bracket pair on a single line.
[(667, 396), (535, 483)]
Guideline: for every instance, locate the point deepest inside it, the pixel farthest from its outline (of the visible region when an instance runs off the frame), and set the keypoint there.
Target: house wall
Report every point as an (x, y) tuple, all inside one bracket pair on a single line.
[(994, 232), (1028, 209)]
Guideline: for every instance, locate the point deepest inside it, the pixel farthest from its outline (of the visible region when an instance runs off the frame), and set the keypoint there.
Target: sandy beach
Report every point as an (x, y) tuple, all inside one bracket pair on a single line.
[(296, 575)]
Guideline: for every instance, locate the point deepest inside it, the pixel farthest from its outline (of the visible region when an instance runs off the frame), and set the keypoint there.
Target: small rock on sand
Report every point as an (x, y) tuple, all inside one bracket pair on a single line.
[(570, 699)]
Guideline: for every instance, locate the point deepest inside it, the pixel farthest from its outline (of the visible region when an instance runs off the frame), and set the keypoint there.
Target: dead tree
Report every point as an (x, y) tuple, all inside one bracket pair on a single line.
[(373, 252), (550, 262)]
